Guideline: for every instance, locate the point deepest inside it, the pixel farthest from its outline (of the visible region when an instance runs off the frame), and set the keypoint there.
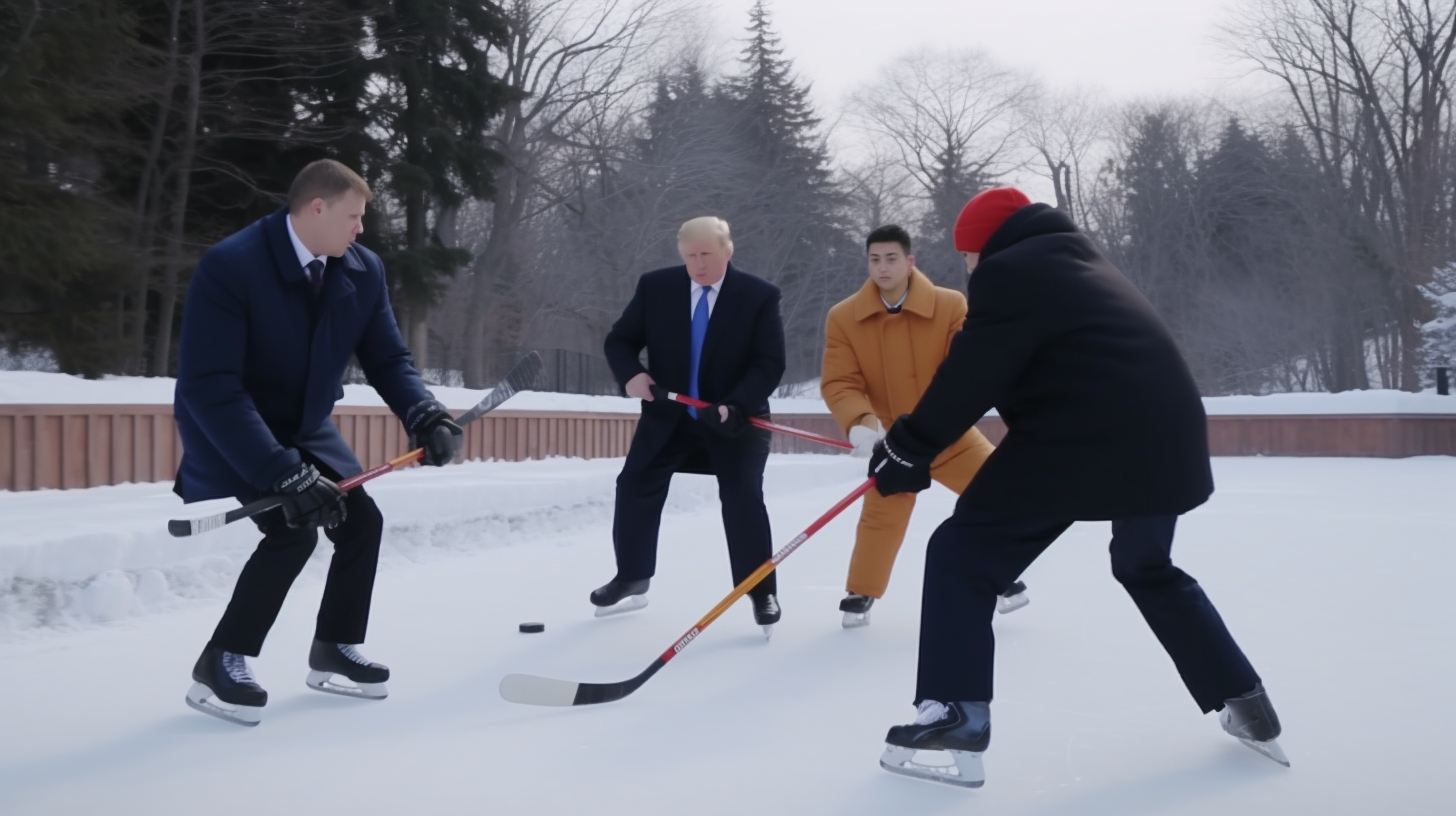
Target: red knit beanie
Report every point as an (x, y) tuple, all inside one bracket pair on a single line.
[(983, 214)]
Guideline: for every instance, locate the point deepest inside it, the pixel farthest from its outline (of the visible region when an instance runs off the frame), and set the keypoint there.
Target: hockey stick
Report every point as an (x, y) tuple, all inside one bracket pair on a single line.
[(533, 690), (522, 376), (662, 393)]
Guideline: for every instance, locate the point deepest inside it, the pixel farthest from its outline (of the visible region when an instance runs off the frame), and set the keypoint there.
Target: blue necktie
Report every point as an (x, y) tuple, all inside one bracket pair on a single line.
[(700, 331)]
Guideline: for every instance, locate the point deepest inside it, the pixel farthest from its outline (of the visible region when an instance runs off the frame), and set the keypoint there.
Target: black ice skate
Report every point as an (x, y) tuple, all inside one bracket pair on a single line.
[(327, 661), (1013, 599), (963, 730), (1250, 717), (856, 609), (224, 687), (615, 596), (766, 612)]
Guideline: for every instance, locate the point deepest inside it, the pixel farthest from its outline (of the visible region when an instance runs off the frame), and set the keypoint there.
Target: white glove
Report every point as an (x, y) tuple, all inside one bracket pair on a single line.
[(864, 440)]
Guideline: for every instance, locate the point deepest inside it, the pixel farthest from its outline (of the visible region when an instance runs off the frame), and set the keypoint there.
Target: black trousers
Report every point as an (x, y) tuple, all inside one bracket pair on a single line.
[(343, 614), (975, 555), (737, 463)]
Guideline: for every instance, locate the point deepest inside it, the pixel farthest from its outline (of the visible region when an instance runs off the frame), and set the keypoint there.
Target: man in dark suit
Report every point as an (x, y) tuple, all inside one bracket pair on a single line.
[(711, 331), (1104, 422), (272, 316)]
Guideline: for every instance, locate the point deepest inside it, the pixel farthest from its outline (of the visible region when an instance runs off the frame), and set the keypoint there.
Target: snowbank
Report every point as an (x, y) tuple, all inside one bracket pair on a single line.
[(77, 557), (35, 387)]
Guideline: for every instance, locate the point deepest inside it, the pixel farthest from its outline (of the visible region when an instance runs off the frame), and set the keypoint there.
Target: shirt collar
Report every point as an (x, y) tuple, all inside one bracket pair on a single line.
[(716, 287), (304, 256), (895, 307)]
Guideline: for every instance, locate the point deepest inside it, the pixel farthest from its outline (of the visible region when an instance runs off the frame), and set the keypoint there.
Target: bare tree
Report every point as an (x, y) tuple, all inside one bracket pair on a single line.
[(564, 58), (1067, 130), (1370, 80), (949, 116)]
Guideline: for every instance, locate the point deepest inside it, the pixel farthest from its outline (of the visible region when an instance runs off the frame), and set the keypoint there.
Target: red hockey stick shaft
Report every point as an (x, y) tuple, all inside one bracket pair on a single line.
[(763, 423)]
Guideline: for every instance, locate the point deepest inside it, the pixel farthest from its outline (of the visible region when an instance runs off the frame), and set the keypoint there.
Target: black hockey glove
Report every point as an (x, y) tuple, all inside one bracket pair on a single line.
[(310, 500), (430, 427), (732, 426), (900, 462)]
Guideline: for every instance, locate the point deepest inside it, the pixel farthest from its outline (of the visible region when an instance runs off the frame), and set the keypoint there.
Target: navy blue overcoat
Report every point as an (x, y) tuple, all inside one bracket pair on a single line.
[(261, 361)]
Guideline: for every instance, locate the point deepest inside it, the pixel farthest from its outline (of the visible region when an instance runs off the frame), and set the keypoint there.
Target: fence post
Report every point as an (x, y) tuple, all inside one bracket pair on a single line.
[(1443, 383)]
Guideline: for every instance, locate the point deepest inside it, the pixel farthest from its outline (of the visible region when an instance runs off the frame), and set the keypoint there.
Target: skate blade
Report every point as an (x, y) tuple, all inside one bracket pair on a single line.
[(631, 603), (1015, 602), (1269, 749), (855, 620), (967, 772), (323, 681), (199, 699), (768, 631)]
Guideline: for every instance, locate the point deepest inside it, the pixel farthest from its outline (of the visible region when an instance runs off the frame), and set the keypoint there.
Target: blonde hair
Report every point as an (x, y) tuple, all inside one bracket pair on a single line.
[(705, 226), (326, 179)]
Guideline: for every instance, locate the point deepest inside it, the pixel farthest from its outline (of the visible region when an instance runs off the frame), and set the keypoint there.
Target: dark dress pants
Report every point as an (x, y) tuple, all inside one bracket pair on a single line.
[(737, 463), (343, 614), (975, 555)]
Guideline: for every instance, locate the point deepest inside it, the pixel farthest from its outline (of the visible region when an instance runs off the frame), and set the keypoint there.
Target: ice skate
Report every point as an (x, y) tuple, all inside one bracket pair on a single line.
[(856, 609), (223, 687), (615, 597), (1251, 719), (766, 612), (1013, 599), (960, 731), (329, 661)]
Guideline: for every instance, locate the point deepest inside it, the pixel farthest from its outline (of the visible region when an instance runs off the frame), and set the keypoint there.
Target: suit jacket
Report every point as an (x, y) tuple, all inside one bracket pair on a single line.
[(1103, 418), (261, 360), (743, 352)]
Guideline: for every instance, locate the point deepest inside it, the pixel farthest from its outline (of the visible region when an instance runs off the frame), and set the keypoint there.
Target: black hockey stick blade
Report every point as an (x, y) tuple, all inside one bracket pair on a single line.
[(181, 528), (545, 691), (523, 376)]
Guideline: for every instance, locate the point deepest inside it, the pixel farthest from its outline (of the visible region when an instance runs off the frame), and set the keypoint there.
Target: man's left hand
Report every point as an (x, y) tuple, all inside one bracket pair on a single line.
[(728, 420), (430, 427)]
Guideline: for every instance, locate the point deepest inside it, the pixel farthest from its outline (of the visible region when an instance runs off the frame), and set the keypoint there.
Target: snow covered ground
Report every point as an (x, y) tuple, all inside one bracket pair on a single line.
[(1333, 574)]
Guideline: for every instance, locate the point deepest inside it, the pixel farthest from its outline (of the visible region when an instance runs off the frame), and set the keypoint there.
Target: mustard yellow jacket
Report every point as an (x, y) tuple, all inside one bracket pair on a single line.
[(878, 364)]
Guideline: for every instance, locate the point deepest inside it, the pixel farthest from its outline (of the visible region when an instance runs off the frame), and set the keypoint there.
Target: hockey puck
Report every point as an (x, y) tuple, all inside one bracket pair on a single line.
[(533, 627)]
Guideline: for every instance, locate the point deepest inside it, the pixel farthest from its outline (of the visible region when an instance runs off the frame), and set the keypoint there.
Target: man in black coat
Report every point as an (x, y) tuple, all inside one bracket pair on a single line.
[(272, 316), (711, 331), (1104, 422)]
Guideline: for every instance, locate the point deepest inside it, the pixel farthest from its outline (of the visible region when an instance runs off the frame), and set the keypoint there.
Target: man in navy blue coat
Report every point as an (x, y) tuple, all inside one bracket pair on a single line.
[(711, 331), (272, 316)]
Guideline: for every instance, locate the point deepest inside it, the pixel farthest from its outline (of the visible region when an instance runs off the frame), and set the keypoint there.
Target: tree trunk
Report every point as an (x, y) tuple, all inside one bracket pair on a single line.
[(173, 262)]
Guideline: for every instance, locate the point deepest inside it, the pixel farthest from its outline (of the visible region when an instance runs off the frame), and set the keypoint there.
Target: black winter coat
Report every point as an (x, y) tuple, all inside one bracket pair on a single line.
[(1103, 418), (743, 352)]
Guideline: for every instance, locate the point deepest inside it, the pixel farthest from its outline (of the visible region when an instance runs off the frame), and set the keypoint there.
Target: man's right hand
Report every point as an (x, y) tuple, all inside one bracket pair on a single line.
[(310, 500), (863, 438), (640, 386)]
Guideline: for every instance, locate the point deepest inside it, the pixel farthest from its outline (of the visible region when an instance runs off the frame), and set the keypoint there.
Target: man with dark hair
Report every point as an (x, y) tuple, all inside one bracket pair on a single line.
[(711, 331), (272, 316), (1104, 423), (882, 346)]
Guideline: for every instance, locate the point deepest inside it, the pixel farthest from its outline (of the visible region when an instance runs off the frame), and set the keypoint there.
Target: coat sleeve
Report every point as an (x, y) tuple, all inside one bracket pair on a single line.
[(1003, 328), (842, 384), (628, 337), (210, 359), (386, 360), (958, 319), (767, 360)]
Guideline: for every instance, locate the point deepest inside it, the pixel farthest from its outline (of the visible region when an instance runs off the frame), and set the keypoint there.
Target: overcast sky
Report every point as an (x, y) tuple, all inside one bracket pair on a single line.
[(1127, 49)]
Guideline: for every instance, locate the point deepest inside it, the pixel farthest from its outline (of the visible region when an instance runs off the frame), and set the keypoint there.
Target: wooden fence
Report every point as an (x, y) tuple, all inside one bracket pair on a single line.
[(73, 446)]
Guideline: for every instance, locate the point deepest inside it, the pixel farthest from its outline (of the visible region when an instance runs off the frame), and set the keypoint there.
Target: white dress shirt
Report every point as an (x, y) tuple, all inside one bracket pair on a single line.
[(697, 292), (304, 256)]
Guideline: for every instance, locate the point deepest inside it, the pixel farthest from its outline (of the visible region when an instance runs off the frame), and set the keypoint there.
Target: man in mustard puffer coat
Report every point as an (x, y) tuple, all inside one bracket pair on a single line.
[(882, 348)]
